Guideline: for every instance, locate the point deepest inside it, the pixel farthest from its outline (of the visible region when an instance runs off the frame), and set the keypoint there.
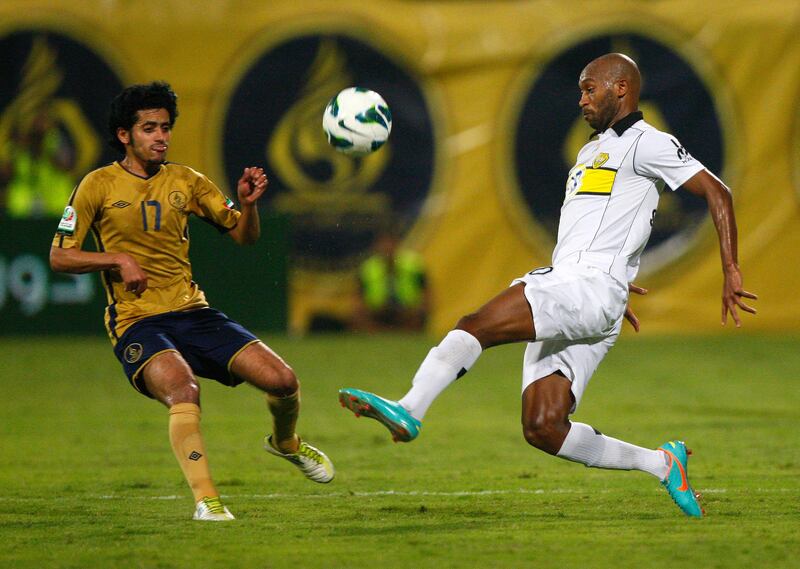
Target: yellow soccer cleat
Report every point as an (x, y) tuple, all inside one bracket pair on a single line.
[(311, 461), (212, 510)]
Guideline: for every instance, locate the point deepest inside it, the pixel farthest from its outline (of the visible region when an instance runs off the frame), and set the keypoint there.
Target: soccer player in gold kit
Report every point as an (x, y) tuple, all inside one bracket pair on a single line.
[(163, 331)]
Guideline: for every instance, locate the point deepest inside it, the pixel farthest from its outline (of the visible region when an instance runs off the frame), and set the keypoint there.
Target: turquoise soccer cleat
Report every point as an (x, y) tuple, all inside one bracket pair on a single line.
[(677, 480), (401, 424)]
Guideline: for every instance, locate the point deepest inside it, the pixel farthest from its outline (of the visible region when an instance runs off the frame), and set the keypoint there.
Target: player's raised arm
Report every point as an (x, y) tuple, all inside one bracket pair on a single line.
[(720, 206), (249, 188)]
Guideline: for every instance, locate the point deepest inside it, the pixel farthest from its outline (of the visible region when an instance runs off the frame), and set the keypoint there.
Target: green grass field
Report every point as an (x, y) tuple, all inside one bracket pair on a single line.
[(88, 478)]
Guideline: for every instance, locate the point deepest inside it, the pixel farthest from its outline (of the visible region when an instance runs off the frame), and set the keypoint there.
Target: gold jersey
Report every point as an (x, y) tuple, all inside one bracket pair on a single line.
[(148, 219)]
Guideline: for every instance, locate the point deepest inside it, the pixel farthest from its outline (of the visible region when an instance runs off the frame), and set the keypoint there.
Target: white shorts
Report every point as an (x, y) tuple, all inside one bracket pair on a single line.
[(577, 312)]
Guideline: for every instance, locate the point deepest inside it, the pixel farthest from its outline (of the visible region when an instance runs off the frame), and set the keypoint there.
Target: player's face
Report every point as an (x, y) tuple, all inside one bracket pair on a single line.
[(149, 138), (598, 102)]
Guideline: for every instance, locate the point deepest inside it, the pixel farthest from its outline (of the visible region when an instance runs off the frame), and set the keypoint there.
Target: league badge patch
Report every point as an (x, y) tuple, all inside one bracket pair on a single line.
[(68, 221)]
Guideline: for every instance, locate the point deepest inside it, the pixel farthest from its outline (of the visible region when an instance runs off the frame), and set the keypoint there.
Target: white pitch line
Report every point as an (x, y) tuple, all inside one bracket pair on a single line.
[(408, 493), (375, 494)]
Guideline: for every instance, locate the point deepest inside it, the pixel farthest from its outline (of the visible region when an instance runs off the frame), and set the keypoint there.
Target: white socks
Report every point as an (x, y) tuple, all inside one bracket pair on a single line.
[(457, 353), (583, 444), (445, 363)]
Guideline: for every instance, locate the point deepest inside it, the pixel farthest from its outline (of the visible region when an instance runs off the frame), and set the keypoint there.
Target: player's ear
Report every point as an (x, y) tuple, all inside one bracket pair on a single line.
[(123, 135), (621, 86)]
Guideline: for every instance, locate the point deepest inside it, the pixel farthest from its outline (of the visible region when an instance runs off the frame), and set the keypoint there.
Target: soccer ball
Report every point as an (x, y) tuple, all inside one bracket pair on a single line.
[(357, 121)]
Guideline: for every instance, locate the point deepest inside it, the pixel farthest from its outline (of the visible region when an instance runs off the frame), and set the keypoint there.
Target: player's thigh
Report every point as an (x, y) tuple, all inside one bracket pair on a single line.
[(261, 367), (504, 319), (169, 379)]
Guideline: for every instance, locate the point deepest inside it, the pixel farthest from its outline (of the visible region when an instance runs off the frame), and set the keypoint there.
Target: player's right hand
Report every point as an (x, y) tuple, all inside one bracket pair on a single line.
[(132, 274)]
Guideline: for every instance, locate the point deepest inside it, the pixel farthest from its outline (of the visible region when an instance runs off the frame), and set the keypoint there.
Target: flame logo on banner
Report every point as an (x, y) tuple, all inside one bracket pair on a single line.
[(36, 100)]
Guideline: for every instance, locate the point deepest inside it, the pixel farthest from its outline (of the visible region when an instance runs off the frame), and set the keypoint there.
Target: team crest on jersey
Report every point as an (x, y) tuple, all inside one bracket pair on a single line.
[(601, 159), (177, 200), (68, 221), (133, 353)]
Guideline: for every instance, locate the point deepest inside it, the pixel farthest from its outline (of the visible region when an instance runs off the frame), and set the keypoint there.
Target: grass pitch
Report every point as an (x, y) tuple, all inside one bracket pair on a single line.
[(88, 478)]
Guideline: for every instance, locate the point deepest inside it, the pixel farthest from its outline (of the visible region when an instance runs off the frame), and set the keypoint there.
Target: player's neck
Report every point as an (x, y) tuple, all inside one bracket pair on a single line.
[(138, 167), (621, 114)]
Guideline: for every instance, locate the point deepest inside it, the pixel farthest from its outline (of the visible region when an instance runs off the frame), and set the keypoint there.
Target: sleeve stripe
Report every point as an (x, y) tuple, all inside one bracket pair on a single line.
[(72, 195)]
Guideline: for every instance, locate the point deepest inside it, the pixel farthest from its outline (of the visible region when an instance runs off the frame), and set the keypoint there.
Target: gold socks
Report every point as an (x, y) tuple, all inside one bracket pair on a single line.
[(187, 444), (284, 418)]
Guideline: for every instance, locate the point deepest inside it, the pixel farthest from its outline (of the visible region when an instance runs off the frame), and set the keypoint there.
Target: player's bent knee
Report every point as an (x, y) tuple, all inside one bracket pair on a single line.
[(539, 438), (169, 379), (282, 381), (188, 392), (545, 431), (177, 390)]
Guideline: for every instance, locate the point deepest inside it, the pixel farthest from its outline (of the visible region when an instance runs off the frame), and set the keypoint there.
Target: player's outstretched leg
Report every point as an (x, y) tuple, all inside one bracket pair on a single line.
[(444, 364), (677, 480), (212, 510), (401, 424), (312, 462)]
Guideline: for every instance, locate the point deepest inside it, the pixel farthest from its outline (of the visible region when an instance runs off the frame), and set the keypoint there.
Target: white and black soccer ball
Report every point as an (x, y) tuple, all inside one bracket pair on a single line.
[(357, 121)]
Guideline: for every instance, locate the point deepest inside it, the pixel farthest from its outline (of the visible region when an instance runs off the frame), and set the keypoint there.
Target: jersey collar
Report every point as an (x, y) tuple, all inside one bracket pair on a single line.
[(160, 168), (623, 124)]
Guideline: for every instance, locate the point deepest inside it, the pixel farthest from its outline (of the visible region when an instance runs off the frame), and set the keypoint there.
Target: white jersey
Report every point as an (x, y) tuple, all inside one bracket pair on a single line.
[(612, 195)]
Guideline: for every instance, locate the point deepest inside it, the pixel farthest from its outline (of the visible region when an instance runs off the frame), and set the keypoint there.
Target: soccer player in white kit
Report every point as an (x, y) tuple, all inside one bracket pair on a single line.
[(571, 312)]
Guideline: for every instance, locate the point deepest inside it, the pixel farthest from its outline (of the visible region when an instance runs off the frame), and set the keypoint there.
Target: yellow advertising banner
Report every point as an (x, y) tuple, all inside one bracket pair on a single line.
[(486, 126)]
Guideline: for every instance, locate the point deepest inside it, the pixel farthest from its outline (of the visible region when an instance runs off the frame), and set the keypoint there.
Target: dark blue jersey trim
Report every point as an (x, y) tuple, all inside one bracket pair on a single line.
[(105, 277), (112, 320), (220, 228)]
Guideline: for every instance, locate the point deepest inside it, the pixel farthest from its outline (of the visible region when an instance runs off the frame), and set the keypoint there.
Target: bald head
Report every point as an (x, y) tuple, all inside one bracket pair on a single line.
[(614, 67), (610, 88)]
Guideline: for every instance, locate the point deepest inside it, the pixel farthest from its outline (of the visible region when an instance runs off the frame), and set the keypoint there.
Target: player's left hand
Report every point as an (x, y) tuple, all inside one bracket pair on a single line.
[(630, 315), (251, 185), (732, 294)]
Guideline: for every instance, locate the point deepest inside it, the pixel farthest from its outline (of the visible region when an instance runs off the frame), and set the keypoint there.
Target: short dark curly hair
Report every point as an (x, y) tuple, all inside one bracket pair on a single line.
[(126, 105)]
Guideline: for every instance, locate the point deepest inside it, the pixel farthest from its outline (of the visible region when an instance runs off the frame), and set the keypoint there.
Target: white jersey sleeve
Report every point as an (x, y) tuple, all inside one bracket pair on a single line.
[(660, 155)]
